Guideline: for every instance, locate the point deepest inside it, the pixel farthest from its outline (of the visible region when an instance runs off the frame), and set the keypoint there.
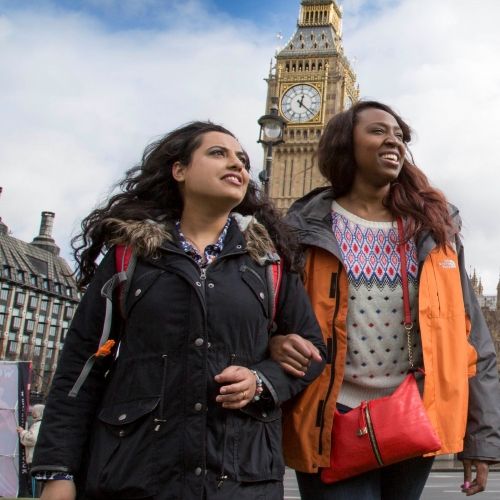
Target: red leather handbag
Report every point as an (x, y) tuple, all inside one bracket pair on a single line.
[(385, 430)]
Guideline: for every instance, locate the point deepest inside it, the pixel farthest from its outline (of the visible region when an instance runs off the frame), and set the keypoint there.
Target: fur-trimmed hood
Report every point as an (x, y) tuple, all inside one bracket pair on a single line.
[(147, 236)]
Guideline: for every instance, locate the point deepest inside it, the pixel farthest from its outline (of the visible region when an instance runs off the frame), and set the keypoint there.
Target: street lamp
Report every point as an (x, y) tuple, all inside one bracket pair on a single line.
[(272, 127)]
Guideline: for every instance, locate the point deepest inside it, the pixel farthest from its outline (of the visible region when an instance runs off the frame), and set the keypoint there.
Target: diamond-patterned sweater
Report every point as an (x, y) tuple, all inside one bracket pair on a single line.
[(377, 351)]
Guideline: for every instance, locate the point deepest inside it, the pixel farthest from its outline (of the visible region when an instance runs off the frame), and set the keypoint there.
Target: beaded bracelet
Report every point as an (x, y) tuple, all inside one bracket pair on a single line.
[(259, 386)]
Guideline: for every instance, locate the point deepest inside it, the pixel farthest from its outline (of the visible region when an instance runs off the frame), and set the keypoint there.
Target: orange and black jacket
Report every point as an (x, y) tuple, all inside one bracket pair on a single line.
[(461, 391)]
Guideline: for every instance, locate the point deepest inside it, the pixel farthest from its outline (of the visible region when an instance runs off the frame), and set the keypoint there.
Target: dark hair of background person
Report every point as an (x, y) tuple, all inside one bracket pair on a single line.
[(411, 195), (149, 191)]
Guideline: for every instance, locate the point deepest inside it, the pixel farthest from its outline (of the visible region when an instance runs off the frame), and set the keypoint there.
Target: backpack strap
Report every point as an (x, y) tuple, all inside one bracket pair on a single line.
[(274, 272), (125, 261)]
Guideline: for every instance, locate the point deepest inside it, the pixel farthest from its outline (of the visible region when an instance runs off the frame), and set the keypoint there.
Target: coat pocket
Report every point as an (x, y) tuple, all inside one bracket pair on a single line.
[(121, 455), (258, 454)]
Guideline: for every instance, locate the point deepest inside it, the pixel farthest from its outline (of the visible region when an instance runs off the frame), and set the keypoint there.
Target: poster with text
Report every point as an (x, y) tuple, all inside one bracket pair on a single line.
[(14, 404)]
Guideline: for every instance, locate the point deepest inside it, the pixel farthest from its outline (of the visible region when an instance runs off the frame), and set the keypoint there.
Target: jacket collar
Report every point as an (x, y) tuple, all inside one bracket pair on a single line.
[(310, 217)]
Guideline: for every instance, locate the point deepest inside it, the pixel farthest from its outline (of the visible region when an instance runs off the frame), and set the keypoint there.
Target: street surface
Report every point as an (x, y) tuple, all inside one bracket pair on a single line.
[(440, 486)]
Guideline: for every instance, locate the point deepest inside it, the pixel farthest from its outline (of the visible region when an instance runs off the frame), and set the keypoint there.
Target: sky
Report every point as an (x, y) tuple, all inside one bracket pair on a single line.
[(85, 85)]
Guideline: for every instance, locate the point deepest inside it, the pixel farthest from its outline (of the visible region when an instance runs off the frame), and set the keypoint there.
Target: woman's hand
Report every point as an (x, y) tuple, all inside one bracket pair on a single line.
[(59, 489), (294, 353), (471, 487), (238, 387)]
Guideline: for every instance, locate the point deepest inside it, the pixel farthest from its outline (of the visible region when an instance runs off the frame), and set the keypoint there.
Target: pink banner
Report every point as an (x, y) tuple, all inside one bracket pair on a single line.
[(14, 390)]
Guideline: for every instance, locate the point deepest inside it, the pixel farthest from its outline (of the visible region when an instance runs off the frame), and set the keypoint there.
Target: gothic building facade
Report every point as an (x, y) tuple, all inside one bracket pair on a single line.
[(38, 297), (310, 82), (490, 306)]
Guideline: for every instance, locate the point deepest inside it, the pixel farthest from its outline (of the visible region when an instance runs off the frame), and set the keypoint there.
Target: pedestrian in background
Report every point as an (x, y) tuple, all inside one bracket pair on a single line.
[(28, 439), (189, 405), (354, 279)]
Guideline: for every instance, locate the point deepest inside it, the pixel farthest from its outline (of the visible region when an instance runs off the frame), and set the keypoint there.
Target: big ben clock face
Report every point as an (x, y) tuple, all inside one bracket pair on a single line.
[(300, 103)]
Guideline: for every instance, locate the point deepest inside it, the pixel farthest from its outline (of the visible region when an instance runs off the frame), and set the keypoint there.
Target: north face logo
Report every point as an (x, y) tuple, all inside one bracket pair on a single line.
[(448, 264)]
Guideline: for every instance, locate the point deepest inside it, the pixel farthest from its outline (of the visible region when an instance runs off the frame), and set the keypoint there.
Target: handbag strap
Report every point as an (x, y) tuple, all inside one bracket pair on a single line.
[(408, 323)]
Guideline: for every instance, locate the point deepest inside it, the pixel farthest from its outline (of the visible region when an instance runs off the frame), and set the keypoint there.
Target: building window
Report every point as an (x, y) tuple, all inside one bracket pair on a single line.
[(45, 284), (44, 305), (55, 309), (20, 298), (25, 349), (52, 331), (57, 288), (48, 354), (12, 348), (4, 294), (33, 280), (6, 272), (15, 323), (69, 292), (40, 328), (33, 302), (30, 325), (20, 276), (2, 319), (36, 350)]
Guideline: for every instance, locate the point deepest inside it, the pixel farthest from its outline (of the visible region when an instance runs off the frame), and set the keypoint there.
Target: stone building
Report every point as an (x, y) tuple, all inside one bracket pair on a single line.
[(490, 306), (38, 297), (310, 81)]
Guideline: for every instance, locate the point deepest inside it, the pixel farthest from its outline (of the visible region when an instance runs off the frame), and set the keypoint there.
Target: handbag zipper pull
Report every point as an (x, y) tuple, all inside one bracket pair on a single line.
[(363, 430)]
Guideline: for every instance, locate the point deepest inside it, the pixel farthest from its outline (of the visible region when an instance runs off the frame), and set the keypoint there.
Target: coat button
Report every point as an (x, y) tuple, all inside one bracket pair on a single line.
[(264, 414), (138, 292), (123, 416), (198, 283), (261, 295), (211, 285), (199, 342), (197, 471), (198, 407), (121, 433), (238, 247)]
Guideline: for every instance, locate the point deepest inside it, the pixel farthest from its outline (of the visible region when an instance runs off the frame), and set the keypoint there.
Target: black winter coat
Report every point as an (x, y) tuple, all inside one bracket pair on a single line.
[(147, 425)]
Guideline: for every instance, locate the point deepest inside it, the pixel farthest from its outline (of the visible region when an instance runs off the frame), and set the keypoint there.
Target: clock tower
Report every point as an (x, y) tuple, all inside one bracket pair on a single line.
[(310, 81)]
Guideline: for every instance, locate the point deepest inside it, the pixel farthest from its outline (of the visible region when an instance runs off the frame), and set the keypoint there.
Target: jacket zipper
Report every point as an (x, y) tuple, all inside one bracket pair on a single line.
[(332, 360), (160, 420), (371, 434), (223, 476), (246, 268)]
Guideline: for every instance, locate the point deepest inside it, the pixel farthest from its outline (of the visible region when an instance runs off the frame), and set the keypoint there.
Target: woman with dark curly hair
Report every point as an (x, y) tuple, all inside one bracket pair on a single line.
[(187, 402), (355, 257)]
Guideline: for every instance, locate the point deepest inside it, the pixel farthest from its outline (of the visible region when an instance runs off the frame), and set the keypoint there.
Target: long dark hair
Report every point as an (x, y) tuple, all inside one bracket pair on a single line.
[(149, 191), (410, 196)]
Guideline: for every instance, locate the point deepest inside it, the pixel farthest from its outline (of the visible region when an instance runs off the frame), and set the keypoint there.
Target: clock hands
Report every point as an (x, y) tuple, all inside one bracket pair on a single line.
[(302, 105)]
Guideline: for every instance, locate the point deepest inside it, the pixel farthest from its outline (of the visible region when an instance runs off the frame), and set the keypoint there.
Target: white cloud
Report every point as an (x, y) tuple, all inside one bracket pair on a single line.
[(79, 105), (80, 102)]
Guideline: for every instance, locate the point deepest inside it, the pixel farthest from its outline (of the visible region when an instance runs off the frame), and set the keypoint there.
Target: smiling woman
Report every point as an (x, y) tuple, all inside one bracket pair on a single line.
[(386, 275), (189, 405)]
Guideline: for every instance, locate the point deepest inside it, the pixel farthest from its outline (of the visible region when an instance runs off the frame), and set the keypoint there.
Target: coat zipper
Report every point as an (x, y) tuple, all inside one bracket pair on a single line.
[(332, 373), (160, 420), (223, 476)]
